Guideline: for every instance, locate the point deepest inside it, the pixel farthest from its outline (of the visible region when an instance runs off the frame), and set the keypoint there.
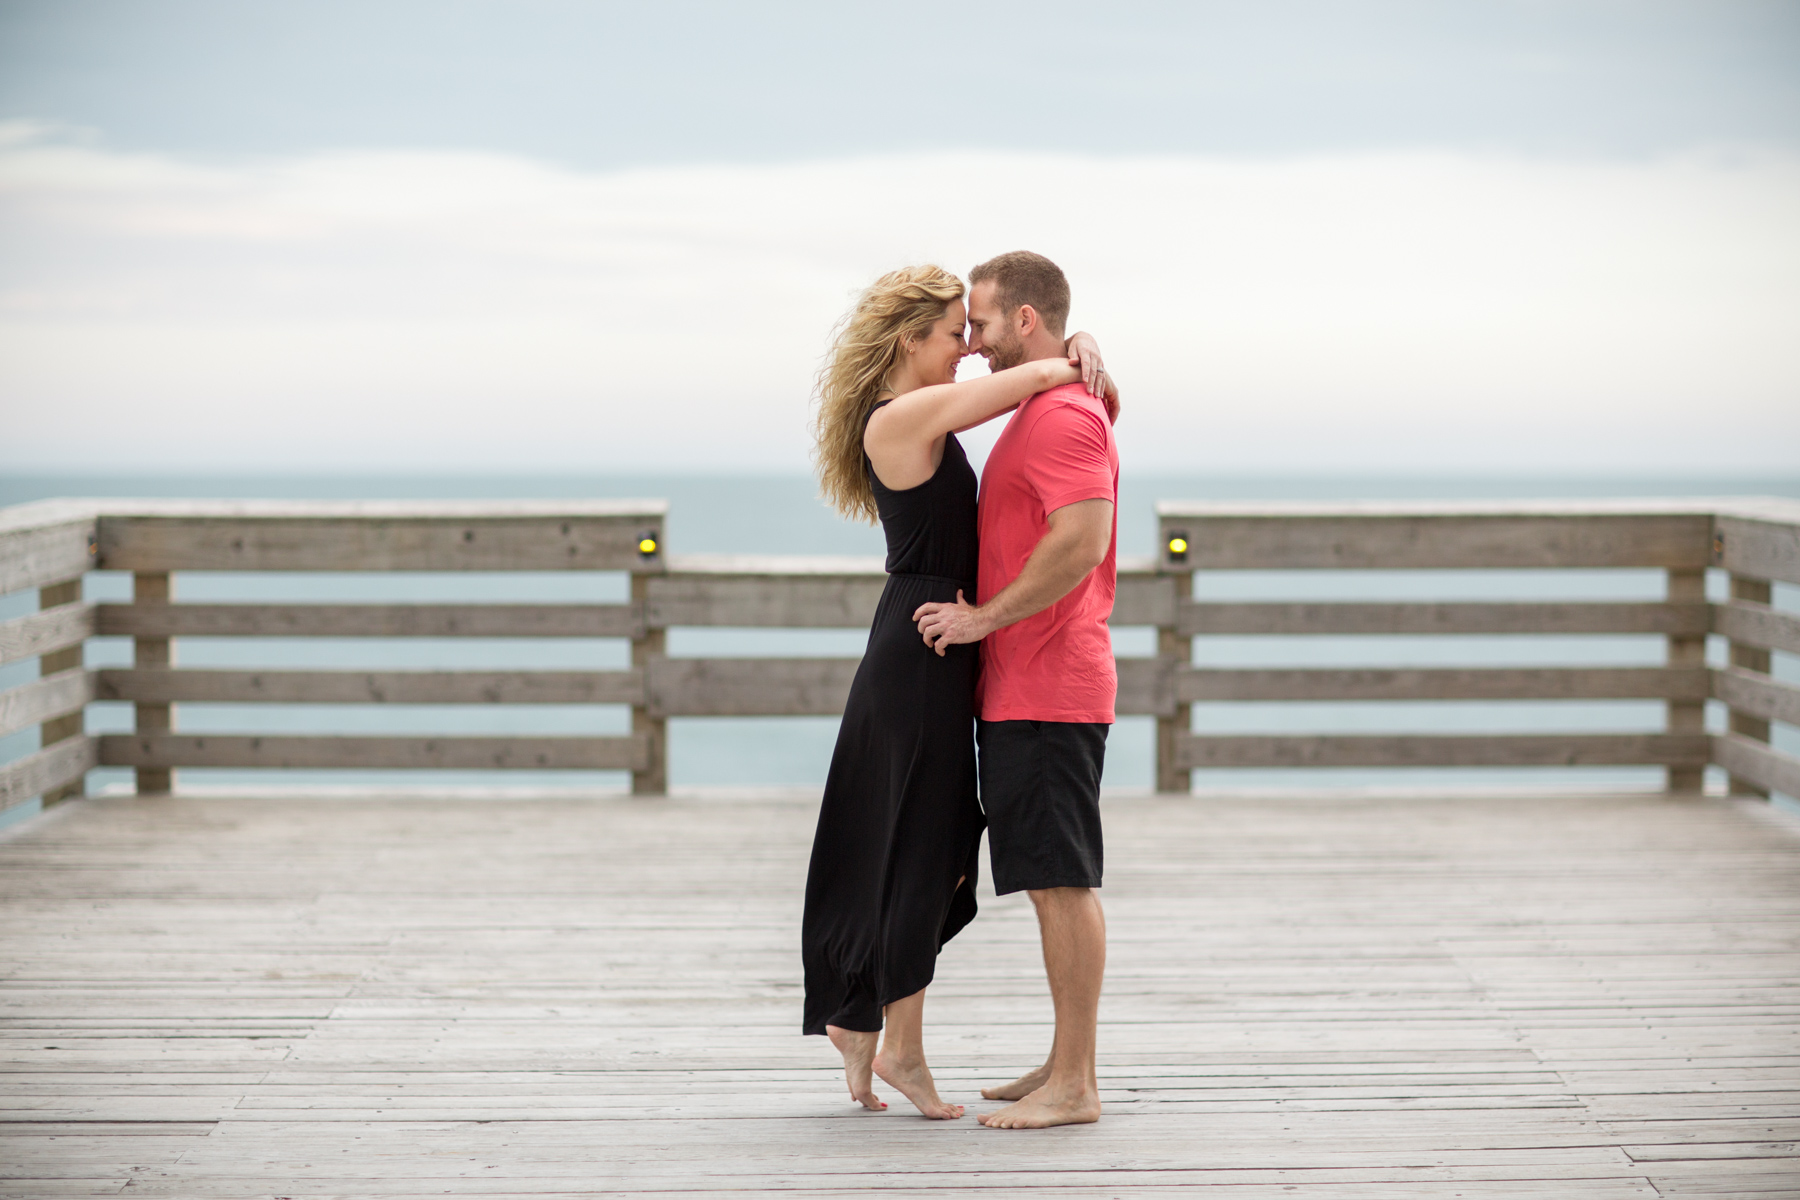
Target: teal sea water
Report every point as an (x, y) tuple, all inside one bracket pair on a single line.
[(780, 514)]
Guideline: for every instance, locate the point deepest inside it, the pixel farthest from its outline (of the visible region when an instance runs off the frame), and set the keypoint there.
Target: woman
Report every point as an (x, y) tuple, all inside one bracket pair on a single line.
[(894, 858)]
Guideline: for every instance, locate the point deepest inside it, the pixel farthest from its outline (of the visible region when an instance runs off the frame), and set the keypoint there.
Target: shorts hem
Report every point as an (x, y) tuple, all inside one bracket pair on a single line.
[(1041, 886)]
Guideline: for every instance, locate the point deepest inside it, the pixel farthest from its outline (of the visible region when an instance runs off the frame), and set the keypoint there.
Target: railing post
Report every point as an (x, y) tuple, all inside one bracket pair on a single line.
[(650, 643), (59, 729), (152, 587), (1170, 730), (1687, 717), (1174, 647), (1749, 658)]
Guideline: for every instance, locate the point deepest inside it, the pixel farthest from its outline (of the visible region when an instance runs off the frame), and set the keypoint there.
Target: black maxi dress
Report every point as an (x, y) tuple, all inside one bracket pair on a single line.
[(900, 822)]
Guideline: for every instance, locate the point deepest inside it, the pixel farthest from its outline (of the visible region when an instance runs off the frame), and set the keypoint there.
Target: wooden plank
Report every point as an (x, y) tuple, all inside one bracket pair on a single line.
[(1440, 750), (794, 601), (1757, 662), (819, 686), (371, 687), (1686, 651), (46, 631), (830, 600), (652, 778), (1521, 683), (1175, 717), (1433, 537), (320, 536), (1147, 686), (42, 699), (779, 566), (1147, 599), (1757, 625), (749, 686), (1379, 619), (1757, 762), (45, 543), (1756, 693), (359, 753), (369, 620), (72, 723), (1762, 544), (47, 770), (152, 590)]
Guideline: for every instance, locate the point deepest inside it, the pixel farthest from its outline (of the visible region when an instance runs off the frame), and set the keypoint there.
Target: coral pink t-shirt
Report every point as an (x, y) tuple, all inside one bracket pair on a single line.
[(1055, 665)]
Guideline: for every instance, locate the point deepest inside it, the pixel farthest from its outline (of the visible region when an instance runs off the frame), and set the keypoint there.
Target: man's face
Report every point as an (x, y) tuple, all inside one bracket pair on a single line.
[(992, 333)]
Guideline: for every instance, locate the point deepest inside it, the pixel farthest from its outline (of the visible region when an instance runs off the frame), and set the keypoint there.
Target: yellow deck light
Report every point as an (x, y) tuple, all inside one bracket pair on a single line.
[(1178, 546), (647, 545)]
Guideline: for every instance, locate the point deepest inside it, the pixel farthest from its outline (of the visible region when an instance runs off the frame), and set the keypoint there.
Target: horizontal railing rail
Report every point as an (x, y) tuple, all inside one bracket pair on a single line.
[(50, 547)]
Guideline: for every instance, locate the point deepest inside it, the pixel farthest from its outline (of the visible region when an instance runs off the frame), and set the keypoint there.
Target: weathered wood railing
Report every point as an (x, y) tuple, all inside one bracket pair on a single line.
[(1755, 541), (51, 546)]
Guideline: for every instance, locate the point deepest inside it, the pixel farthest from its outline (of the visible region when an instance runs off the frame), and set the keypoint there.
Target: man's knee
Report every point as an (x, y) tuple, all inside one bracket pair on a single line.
[(1059, 897)]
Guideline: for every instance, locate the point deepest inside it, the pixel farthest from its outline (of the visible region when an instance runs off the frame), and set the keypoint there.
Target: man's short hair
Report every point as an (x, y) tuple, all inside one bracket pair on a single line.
[(1021, 277)]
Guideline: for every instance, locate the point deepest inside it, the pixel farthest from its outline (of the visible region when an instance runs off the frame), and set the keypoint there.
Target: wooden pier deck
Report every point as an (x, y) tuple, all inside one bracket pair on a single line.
[(1364, 996)]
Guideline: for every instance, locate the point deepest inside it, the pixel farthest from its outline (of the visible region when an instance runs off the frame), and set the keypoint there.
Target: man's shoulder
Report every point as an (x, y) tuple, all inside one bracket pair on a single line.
[(1069, 394), (1066, 406)]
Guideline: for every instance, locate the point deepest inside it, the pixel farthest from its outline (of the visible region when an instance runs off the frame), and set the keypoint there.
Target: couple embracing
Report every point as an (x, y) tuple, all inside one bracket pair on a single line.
[(992, 624)]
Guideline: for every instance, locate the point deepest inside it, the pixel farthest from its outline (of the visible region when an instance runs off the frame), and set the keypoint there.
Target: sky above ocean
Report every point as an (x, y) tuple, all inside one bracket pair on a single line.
[(1389, 238)]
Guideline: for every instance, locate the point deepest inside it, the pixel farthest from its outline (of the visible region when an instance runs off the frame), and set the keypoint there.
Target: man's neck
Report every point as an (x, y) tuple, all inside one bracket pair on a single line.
[(1041, 346)]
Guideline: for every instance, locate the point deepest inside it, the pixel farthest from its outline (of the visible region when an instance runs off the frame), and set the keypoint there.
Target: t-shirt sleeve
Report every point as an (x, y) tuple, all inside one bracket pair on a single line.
[(1066, 457)]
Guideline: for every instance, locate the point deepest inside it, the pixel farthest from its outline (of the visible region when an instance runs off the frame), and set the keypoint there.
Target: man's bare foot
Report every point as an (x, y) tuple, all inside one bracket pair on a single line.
[(914, 1080), (858, 1050), (1042, 1109), (1019, 1088)]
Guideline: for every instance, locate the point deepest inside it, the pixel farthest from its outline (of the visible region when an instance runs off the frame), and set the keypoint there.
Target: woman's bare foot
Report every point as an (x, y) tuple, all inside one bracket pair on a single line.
[(1019, 1088), (914, 1080), (1041, 1109), (858, 1050)]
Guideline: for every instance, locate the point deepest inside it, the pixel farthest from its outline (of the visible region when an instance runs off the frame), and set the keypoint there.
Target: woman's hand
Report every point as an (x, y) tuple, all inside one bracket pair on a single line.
[(1084, 352), (1111, 400)]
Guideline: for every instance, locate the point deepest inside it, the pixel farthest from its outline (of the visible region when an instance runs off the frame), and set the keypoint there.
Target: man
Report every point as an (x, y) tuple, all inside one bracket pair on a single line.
[(1045, 700)]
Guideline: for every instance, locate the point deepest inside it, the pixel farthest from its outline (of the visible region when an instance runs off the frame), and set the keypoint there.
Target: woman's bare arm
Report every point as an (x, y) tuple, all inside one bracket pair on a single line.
[(919, 418)]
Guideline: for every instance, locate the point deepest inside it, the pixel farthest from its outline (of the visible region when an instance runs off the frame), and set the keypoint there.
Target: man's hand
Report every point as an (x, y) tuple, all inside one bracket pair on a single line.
[(944, 624)]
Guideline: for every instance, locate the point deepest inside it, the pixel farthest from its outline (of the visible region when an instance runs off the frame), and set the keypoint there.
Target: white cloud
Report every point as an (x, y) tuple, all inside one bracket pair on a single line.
[(408, 310)]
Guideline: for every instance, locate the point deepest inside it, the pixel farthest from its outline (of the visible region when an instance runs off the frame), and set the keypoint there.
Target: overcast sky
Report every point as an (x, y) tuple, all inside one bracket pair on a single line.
[(1311, 236)]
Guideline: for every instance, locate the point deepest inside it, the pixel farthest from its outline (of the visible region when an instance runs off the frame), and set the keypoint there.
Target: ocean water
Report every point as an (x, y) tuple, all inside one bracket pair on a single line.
[(780, 514)]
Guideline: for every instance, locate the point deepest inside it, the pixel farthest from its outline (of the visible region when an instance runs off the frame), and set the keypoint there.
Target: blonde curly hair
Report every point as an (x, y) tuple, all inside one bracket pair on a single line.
[(901, 305)]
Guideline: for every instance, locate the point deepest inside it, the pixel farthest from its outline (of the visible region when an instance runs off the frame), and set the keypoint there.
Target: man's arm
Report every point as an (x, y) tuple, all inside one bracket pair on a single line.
[(1079, 536)]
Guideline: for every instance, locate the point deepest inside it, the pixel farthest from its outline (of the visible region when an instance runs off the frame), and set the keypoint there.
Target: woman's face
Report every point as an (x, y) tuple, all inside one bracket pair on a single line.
[(935, 356)]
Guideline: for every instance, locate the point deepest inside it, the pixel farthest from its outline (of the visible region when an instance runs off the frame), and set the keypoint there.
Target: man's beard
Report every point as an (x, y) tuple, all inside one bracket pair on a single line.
[(1006, 354)]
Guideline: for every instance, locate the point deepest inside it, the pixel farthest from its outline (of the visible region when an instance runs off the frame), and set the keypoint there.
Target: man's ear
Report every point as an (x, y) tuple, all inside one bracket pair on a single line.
[(1028, 320)]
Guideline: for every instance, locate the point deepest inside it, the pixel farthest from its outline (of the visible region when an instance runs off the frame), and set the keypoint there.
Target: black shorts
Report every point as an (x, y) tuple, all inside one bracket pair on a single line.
[(1040, 788)]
